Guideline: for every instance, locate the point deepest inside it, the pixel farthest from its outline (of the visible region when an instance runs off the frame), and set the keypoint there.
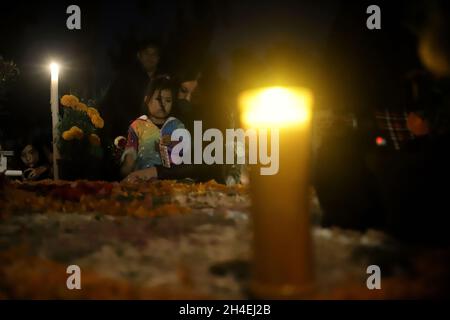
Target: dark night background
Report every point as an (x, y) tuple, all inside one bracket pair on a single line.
[(325, 45), (322, 43)]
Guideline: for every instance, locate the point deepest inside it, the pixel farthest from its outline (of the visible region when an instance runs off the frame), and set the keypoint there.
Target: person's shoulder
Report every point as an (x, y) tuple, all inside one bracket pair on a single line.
[(171, 124), (174, 122), (139, 121)]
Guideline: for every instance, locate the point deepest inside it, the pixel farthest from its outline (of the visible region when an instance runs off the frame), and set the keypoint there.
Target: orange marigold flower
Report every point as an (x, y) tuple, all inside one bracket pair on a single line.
[(81, 106), (67, 135), (97, 121), (92, 112), (77, 132), (69, 100)]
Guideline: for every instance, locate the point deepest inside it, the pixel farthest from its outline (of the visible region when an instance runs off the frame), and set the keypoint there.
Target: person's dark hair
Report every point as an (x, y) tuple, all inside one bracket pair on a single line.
[(423, 94), (187, 74), (149, 43), (163, 82), (427, 99), (38, 147)]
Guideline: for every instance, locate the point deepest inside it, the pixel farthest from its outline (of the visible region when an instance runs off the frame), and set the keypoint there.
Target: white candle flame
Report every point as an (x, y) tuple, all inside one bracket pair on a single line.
[(54, 70)]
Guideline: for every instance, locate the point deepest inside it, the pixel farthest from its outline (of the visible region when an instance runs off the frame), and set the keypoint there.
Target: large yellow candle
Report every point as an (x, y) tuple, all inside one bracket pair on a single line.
[(282, 261)]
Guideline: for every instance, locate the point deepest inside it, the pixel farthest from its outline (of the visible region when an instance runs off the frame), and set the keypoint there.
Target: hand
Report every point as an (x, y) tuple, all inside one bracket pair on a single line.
[(417, 125), (34, 173), (141, 175), (166, 140)]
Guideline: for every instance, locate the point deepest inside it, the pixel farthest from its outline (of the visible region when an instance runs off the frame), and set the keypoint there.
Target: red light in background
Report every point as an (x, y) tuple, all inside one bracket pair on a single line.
[(380, 141)]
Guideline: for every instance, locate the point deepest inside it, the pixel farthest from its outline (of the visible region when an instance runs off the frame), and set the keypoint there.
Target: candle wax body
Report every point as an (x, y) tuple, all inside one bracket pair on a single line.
[(282, 262), (54, 102)]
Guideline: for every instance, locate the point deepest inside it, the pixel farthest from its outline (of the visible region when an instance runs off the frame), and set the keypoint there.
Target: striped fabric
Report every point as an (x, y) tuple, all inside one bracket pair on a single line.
[(392, 126)]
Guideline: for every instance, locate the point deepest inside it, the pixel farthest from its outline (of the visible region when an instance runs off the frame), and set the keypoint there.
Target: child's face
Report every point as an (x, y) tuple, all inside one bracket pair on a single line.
[(30, 156), (160, 105)]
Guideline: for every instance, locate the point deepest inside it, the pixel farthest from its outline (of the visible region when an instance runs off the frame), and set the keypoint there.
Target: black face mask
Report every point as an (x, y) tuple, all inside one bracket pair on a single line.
[(184, 104), (183, 109)]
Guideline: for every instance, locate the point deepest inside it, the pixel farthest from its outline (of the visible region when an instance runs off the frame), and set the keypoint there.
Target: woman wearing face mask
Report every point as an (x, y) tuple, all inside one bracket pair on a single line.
[(147, 148), (183, 108)]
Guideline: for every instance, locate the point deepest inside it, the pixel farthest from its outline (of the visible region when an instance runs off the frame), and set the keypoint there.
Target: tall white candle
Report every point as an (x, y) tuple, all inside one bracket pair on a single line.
[(54, 102)]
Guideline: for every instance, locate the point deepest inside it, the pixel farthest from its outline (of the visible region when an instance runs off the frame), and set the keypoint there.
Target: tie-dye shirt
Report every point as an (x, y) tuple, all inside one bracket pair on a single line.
[(143, 138)]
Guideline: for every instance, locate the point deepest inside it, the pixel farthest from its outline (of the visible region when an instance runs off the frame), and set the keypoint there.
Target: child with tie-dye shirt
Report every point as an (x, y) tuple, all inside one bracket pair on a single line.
[(148, 144)]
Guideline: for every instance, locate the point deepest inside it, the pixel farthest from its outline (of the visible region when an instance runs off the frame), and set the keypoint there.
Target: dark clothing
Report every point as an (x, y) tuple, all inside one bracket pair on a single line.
[(401, 191), (392, 127), (176, 172), (187, 113), (345, 186), (123, 102), (413, 187), (183, 110)]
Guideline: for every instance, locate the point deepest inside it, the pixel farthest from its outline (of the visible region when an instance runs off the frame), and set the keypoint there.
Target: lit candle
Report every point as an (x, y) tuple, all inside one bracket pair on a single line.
[(54, 102), (282, 261)]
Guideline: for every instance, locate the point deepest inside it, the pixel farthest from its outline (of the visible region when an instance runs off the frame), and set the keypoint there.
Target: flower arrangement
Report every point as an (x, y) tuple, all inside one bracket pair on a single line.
[(79, 124)]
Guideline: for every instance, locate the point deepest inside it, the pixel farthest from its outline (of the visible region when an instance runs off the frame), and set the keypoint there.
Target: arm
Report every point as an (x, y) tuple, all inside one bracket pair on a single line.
[(130, 153), (141, 175), (127, 165), (176, 172)]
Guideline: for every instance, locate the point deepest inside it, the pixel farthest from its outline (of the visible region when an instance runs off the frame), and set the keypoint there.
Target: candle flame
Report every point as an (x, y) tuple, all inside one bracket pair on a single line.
[(54, 70), (275, 106)]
